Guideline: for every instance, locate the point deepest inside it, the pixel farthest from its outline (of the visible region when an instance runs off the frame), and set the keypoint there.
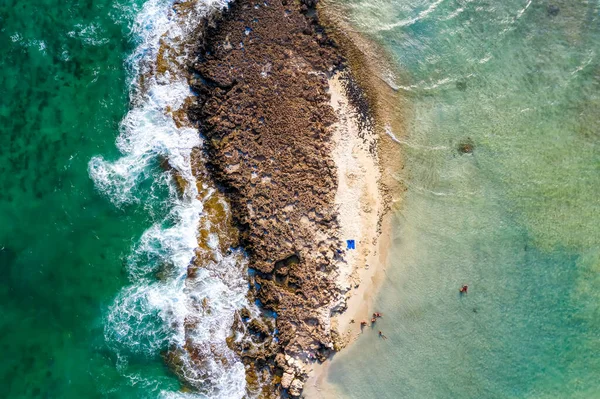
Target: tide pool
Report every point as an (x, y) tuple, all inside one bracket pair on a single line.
[(516, 219)]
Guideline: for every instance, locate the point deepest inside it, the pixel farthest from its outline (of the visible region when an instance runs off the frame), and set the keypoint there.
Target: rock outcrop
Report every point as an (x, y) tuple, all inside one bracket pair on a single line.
[(263, 106)]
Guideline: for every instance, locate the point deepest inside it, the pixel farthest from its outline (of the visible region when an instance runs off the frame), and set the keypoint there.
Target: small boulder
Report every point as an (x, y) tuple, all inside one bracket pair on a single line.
[(296, 387), (286, 379)]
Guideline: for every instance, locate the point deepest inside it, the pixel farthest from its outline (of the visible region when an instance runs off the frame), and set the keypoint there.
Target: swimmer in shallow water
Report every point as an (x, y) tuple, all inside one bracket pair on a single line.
[(381, 335)]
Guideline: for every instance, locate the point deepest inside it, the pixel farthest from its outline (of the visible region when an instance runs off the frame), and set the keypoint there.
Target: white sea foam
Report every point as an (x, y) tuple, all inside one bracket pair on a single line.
[(420, 16), (146, 133), (168, 243), (390, 133), (152, 315), (90, 34)]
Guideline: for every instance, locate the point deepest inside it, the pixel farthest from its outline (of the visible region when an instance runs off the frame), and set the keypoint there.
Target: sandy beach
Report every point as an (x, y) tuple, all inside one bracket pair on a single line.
[(362, 217)]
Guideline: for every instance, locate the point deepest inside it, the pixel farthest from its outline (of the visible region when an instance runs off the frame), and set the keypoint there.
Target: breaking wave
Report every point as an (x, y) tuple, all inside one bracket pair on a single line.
[(164, 309)]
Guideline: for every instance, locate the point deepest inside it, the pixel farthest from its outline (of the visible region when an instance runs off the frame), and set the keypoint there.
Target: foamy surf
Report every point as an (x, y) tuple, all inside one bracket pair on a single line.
[(148, 133), (165, 310)]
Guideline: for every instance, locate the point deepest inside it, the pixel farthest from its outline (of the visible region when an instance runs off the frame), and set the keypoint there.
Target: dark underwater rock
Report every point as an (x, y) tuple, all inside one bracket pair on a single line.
[(553, 10), (466, 146)]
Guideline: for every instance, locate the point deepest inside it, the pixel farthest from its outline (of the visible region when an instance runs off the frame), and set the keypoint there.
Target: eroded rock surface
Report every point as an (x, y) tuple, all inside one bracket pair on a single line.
[(263, 106)]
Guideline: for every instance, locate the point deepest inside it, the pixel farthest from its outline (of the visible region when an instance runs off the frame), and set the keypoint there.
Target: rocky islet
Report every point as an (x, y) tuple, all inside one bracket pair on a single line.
[(260, 75)]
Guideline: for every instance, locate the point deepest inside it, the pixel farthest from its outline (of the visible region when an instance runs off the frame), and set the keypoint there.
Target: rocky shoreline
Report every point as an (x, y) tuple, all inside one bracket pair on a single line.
[(262, 76)]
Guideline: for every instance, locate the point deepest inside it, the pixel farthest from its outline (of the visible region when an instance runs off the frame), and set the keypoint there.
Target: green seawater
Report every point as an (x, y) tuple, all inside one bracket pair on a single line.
[(63, 91), (518, 219)]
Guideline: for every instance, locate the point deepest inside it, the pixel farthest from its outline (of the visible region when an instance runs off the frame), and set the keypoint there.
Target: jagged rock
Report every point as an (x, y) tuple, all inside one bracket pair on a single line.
[(258, 327), (296, 387), (280, 361), (245, 313), (286, 379)]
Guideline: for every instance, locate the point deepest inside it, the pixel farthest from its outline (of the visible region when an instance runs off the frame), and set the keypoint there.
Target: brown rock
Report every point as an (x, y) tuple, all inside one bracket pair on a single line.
[(286, 379), (263, 106), (296, 387)]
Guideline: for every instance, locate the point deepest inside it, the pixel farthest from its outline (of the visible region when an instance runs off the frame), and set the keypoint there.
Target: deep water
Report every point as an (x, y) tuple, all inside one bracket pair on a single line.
[(63, 93), (517, 219)]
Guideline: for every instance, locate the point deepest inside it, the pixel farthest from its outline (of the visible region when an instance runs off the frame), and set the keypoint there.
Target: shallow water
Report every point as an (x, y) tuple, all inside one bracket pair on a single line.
[(517, 219)]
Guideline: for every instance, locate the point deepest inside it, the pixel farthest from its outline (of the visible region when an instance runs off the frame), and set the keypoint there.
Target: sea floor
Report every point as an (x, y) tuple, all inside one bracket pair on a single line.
[(501, 154)]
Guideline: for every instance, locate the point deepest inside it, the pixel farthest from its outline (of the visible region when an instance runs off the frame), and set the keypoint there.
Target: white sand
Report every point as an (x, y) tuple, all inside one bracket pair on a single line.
[(360, 205)]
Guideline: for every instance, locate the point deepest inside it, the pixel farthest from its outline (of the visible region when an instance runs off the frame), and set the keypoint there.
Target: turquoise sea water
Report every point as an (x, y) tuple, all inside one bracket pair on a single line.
[(63, 245), (517, 220)]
